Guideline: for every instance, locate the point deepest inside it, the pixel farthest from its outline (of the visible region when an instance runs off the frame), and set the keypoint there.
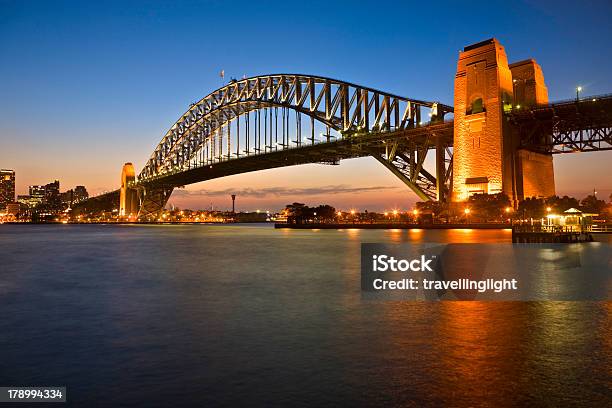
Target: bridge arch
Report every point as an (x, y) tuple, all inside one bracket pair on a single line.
[(337, 105), (241, 120)]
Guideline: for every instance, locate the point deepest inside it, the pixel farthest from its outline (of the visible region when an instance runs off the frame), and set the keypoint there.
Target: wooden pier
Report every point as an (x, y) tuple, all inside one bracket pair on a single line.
[(537, 234)]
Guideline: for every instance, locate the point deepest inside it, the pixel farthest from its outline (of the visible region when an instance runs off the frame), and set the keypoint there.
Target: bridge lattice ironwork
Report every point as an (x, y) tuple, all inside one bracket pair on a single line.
[(571, 126), (279, 120)]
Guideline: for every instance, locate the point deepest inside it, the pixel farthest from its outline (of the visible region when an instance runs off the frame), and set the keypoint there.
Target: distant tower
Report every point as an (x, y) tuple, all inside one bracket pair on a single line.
[(486, 154), (233, 203), (128, 198)]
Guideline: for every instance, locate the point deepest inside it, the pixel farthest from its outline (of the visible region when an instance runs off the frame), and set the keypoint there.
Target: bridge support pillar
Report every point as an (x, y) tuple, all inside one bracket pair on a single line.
[(533, 171), (128, 198), (486, 156), (442, 175)]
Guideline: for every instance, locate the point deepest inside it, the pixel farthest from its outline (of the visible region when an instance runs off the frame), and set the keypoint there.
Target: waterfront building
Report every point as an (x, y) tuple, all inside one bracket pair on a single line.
[(572, 219), (7, 187), (13, 209)]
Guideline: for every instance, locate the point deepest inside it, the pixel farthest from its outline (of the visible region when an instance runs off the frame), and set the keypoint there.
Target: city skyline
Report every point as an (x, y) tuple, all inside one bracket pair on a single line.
[(105, 95)]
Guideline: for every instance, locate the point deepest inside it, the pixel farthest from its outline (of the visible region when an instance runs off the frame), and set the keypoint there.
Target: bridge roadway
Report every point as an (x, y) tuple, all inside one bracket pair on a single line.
[(348, 147)]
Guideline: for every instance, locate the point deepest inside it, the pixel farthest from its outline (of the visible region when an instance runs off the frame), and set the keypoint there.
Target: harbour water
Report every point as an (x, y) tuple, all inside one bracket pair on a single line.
[(191, 315)]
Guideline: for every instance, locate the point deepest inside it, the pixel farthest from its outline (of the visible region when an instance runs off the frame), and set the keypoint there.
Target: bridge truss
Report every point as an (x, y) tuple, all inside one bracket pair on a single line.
[(567, 127), (282, 120)]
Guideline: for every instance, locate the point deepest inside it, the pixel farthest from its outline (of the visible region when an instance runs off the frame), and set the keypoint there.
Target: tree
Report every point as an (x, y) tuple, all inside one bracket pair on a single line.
[(325, 212), (295, 212), (590, 204), (489, 206), (532, 208), (436, 208), (299, 213), (559, 205)]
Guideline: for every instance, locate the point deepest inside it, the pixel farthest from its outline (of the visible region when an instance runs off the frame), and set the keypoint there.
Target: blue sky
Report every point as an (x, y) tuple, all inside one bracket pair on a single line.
[(87, 86)]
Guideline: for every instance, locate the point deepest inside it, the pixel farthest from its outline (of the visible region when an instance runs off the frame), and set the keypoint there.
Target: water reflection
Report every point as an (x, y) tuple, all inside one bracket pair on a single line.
[(231, 315)]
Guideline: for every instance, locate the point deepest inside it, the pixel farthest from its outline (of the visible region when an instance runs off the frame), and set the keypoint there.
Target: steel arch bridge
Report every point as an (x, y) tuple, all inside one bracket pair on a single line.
[(289, 119)]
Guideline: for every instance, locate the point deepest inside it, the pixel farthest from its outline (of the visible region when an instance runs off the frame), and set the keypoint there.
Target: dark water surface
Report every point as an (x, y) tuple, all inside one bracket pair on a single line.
[(248, 315)]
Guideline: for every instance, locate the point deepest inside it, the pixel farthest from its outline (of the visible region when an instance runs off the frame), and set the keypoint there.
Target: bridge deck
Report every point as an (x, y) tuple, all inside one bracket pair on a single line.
[(329, 152)]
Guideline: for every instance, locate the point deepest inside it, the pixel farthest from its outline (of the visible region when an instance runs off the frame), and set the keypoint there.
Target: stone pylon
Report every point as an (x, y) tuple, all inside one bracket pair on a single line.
[(487, 157)]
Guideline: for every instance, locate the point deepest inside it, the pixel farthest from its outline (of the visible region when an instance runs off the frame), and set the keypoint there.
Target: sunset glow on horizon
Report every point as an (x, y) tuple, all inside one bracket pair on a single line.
[(86, 89)]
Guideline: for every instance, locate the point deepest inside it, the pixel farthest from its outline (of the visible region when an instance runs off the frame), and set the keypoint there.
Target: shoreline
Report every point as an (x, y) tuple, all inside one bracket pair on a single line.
[(393, 226)]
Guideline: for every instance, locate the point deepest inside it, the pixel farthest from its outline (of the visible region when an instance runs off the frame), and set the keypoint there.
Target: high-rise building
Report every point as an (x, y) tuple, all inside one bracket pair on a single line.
[(7, 188), (73, 196), (80, 194), (37, 195), (52, 195), (67, 198)]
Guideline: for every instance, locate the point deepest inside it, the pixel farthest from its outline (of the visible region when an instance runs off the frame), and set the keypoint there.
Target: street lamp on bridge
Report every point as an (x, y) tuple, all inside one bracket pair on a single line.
[(578, 90)]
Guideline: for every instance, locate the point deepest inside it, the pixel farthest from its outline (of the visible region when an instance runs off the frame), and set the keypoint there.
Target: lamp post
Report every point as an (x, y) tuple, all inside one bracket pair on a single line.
[(578, 90), (467, 215), (515, 98)]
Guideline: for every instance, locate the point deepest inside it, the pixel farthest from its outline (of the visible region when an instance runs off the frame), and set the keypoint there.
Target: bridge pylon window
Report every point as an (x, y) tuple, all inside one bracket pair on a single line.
[(477, 106)]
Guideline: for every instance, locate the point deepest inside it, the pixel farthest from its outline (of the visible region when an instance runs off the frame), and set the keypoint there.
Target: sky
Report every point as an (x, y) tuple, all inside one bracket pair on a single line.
[(88, 86)]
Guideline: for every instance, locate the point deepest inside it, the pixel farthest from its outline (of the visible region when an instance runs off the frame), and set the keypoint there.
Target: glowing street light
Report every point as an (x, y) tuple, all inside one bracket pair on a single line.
[(548, 209), (578, 90), (508, 209), (415, 212), (339, 213), (352, 212), (467, 215), (394, 212)]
